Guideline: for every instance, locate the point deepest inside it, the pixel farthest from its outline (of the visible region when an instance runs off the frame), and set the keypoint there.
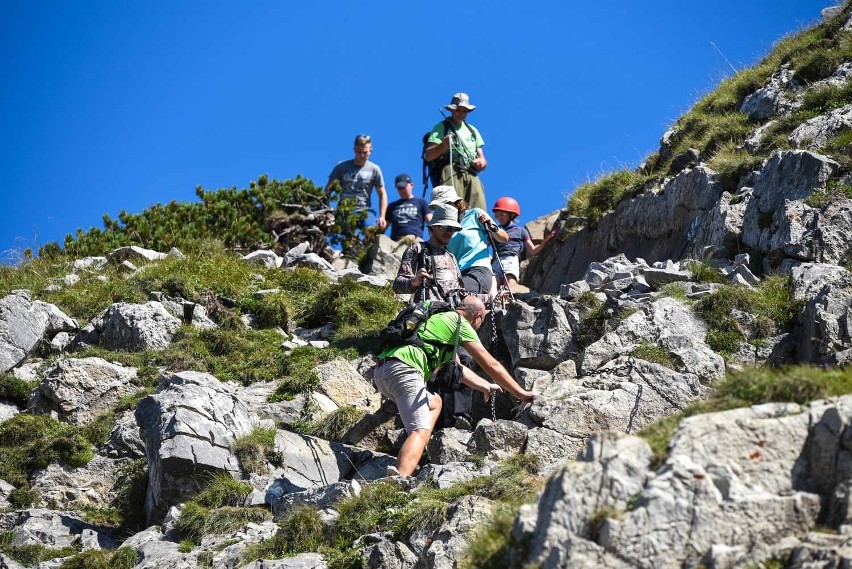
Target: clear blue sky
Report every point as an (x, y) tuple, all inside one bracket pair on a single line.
[(115, 105)]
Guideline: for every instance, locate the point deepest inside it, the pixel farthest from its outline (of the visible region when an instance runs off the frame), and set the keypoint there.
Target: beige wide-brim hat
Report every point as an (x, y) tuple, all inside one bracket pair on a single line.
[(445, 215), (460, 100), (443, 195)]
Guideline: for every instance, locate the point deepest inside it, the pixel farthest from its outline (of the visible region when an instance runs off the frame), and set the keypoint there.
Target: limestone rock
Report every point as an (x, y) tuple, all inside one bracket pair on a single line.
[(134, 254), (78, 390), (188, 427)]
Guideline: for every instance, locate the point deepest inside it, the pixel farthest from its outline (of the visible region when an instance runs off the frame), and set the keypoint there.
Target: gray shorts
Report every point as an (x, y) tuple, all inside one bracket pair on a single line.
[(511, 263), (405, 386)]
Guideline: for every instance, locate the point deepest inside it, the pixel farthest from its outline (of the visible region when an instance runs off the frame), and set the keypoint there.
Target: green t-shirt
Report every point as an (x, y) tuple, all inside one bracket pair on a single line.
[(439, 327), (465, 143)]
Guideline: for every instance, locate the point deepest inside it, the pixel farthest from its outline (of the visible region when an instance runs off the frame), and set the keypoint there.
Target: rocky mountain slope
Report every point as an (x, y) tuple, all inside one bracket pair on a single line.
[(212, 409)]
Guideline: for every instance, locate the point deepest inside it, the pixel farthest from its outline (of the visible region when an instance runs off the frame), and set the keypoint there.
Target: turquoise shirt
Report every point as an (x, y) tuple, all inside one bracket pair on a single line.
[(470, 245), (440, 327)]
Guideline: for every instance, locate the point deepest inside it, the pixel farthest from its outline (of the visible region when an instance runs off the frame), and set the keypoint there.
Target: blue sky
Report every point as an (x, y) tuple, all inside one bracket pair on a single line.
[(115, 105)]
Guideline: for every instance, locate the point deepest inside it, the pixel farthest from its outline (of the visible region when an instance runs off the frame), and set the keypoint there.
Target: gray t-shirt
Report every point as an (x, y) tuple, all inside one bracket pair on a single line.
[(358, 181)]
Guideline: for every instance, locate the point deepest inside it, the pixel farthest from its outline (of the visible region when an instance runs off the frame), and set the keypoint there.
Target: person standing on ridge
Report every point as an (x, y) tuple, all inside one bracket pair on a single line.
[(454, 148), (358, 177), (407, 215)]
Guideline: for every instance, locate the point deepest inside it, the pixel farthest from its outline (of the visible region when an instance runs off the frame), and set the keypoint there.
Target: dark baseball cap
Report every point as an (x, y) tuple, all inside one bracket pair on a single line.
[(402, 180)]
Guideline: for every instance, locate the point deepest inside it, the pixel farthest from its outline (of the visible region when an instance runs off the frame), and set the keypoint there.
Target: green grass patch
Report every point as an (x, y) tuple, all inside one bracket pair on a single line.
[(256, 449), (492, 544), (656, 354), (29, 442), (196, 521), (771, 304), (833, 189), (332, 426), (704, 273), (753, 386), (593, 199), (598, 321), (29, 555), (122, 558), (16, 390)]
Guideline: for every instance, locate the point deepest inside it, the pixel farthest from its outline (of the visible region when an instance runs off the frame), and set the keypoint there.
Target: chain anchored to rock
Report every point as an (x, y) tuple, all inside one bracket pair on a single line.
[(627, 369)]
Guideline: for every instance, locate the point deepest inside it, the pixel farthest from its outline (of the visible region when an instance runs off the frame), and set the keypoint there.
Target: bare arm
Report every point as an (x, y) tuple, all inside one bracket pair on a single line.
[(433, 151), (534, 249), (496, 371), (402, 284), (480, 163), (472, 380), (495, 230), (383, 207)]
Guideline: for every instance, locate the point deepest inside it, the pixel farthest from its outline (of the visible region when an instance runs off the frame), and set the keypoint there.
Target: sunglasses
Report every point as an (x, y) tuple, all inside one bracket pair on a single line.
[(446, 229)]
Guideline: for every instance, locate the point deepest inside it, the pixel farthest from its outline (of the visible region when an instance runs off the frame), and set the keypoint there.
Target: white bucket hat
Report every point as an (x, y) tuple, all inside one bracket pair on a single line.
[(460, 100), (445, 215), (443, 195)]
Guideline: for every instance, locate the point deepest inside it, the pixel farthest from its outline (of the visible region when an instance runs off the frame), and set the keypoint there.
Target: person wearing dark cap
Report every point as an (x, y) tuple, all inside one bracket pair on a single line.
[(408, 214), (455, 149)]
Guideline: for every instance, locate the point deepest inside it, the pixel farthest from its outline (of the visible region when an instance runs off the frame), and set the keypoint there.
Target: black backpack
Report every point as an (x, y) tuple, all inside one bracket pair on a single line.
[(432, 169), (402, 330)]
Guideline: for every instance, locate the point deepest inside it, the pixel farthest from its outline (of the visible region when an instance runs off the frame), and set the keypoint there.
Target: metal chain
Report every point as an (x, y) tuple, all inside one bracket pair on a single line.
[(629, 368), (494, 406)]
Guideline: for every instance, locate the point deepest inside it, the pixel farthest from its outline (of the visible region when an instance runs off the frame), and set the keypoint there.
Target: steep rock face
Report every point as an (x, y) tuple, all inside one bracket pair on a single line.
[(687, 203), (188, 427), (736, 484), (776, 218), (24, 323)]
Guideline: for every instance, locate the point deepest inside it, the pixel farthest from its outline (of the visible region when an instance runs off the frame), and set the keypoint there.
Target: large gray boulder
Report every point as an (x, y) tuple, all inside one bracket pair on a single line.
[(132, 328), (737, 486), (452, 539), (814, 133), (310, 463), (188, 427), (72, 487), (668, 324), (613, 469), (773, 99), (385, 256), (775, 216), (624, 395), (53, 530), (78, 390), (540, 336), (825, 323), (24, 323), (135, 254)]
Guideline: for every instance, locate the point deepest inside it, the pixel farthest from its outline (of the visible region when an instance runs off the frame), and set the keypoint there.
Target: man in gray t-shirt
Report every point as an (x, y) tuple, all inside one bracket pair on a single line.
[(358, 177)]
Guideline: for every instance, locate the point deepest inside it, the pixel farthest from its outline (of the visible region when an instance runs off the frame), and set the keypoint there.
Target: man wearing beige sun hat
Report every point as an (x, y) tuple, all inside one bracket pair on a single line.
[(454, 150)]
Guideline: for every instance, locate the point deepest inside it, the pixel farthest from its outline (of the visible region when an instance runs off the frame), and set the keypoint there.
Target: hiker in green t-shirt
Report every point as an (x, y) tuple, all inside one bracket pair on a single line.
[(402, 372), (459, 146)]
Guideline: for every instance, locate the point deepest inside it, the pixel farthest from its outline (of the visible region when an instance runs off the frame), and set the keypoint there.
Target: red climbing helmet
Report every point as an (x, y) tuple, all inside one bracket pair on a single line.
[(507, 204)]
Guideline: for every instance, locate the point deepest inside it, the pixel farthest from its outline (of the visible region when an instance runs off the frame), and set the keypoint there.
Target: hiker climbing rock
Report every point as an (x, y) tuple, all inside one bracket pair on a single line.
[(470, 244), (403, 370), (407, 215), (507, 260), (427, 270), (358, 177), (454, 152)]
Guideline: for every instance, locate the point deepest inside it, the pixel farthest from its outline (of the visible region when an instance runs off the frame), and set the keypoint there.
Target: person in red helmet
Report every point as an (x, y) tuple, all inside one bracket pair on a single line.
[(506, 210)]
